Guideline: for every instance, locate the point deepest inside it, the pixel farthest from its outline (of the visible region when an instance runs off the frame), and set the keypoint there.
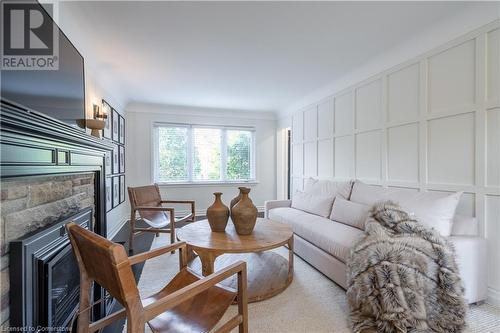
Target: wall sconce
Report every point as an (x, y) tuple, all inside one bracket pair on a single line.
[(97, 124), (98, 114)]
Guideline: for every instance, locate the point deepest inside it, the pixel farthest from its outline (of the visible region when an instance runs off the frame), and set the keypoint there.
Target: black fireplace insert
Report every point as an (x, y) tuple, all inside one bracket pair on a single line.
[(45, 278)]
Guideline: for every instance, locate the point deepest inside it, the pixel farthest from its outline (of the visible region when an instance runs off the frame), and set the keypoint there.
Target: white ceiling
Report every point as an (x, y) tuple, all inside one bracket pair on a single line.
[(237, 55)]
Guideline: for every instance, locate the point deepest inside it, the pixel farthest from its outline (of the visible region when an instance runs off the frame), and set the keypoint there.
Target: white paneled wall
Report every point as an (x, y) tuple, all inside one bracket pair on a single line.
[(431, 124)]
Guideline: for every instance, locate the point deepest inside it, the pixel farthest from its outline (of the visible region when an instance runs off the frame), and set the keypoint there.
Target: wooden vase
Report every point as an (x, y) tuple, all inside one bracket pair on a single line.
[(244, 213), (218, 214), (235, 199)]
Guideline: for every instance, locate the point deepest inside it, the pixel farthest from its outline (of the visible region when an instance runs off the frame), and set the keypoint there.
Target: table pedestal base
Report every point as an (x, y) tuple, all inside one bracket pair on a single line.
[(268, 273)]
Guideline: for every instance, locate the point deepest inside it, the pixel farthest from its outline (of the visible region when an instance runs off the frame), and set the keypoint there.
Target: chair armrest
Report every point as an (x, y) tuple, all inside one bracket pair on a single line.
[(161, 305), (271, 204), (178, 201), (156, 252), (154, 208), (192, 216)]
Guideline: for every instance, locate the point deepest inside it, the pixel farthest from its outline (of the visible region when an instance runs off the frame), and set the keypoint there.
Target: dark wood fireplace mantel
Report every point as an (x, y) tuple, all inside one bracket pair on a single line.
[(34, 144)]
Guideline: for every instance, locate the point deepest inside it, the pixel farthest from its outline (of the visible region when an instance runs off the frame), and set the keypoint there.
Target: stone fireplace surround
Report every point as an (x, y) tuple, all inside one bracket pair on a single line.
[(49, 171), (31, 204)]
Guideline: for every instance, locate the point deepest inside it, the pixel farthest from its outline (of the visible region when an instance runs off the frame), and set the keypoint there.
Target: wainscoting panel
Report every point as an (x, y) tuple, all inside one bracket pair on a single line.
[(493, 65), (325, 119), (430, 124), (451, 150), (402, 153), (298, 128), (310, 159), (325, 158), (297, 159), (403, 94), (311, 124), (344, 114), (344, 157), (369, 105), (493, 147), (457, 65), (368, 156)]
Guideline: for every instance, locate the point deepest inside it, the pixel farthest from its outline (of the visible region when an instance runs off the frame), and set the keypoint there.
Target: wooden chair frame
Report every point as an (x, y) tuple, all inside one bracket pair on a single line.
[(137, 315), (134, 208)]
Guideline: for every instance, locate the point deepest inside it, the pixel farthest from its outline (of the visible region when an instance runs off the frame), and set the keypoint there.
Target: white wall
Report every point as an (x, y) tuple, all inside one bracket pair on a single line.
[(94, 93), (100, 83), (139, 154), (429, 124)]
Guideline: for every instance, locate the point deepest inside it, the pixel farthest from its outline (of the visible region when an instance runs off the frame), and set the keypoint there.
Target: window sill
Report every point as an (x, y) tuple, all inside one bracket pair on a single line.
[(208, 184)]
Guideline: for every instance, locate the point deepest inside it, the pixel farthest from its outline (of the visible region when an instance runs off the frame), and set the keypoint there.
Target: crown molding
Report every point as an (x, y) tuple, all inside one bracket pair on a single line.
[(182, 110)]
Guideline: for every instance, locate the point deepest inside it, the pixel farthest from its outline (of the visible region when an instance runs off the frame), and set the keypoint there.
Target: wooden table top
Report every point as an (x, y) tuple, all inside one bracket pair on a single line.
[(267, 235)]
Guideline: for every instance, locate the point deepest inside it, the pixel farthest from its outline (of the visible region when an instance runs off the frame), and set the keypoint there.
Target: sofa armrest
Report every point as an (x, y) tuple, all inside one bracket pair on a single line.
[(472, 260), (271, 204)]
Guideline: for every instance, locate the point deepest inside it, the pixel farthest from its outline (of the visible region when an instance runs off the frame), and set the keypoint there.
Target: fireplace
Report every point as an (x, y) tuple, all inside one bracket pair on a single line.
[(62, 289), (45, 277), (50, 174)]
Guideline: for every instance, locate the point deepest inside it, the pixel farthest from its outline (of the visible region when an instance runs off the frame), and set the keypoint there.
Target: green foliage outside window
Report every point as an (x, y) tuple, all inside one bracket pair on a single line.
[(207, 154), (238, 155), (207, 161), (172, 154)]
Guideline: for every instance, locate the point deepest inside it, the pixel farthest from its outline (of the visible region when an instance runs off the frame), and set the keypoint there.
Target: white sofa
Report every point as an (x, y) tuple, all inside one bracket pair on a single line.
[(325, 243)]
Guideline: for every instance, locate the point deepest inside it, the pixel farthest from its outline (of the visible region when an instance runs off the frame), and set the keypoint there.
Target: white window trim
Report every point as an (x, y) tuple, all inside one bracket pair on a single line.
[(154, 171)]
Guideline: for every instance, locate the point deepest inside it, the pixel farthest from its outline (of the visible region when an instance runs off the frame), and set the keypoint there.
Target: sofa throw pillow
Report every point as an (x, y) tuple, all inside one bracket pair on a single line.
[(433, 209), (464, 226), (328, 188), (314, 204), (350, 213), (372, 194)]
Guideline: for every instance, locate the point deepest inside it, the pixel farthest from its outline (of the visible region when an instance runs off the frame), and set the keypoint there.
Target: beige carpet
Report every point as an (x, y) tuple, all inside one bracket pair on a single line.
[(312, 303)]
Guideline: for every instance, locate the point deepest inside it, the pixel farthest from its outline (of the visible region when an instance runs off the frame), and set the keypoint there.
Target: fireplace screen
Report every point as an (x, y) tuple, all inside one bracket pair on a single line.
[(62, 282), (45, 277)]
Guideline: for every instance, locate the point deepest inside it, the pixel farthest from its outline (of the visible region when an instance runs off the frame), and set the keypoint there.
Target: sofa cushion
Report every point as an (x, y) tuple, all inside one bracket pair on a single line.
[(312, 203), (472, 261), (332, 237), (285, 213), (433, 209), (350, 213), (328, 188)]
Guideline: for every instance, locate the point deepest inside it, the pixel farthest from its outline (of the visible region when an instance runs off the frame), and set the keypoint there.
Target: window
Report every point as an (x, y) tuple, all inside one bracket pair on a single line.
[(203, 154), (207, 153)]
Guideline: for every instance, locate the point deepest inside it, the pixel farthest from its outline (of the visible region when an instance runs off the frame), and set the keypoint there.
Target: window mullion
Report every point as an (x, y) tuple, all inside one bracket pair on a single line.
[(252, 165), (156, 154), (223, 155), (190, 153)]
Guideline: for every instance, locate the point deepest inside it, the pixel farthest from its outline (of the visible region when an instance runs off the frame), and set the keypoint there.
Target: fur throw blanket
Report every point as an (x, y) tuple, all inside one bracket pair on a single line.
[(402, 277)]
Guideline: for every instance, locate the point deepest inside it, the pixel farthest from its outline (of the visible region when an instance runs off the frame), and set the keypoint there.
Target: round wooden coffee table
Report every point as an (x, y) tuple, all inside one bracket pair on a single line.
[(268, 272)]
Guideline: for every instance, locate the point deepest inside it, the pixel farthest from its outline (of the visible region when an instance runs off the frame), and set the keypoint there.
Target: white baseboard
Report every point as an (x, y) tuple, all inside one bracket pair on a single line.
[(117, 228), (493, 297)]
